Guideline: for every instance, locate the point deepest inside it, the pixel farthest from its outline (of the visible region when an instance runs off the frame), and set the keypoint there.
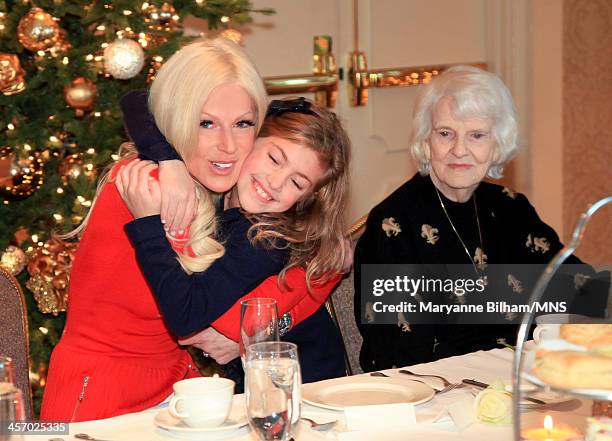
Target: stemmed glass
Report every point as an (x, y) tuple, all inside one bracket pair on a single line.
[(258, 322), (273, 389)]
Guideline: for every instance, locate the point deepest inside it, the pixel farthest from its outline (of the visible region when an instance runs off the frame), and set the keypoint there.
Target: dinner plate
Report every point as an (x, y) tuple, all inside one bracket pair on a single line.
[(236, 419), (340, 393)]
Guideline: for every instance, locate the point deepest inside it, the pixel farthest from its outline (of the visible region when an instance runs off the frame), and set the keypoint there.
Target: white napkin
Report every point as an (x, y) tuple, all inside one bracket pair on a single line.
[(380, 416), (460, 413)]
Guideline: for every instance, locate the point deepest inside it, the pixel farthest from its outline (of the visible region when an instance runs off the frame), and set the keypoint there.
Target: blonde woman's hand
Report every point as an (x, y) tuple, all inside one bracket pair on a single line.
[(215, 344), (139, 191), (178, 196)]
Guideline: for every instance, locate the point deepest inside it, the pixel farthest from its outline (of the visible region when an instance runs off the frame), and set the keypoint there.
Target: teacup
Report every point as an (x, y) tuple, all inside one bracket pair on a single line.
[(202, 402), (548, 325)]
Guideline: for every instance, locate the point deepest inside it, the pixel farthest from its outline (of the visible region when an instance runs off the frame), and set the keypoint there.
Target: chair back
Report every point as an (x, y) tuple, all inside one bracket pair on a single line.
[(14, 338), (340, 307), (340, 304)]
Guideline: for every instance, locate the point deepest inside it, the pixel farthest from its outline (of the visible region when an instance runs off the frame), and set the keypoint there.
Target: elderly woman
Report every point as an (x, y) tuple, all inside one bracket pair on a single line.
[(464, 130)]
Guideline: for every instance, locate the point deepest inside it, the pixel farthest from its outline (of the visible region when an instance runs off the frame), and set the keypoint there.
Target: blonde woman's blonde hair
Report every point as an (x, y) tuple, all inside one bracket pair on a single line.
[(180, 89), (314, 227)]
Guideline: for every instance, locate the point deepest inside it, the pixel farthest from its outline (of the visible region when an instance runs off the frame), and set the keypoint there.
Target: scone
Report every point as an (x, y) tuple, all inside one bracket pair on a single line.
[(590, 335), (574, 370)]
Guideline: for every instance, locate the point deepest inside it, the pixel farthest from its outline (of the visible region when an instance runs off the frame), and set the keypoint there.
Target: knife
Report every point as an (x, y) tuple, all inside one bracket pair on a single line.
[(485, 385)]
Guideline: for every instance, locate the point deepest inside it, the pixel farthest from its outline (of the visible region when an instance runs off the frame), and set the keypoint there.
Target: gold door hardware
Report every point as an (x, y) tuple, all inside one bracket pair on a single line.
[(360, 79), (323, 80)]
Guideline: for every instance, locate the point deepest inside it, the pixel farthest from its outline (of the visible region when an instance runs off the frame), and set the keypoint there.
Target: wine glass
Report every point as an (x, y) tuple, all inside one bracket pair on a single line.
[(258, 322), (273, 389)]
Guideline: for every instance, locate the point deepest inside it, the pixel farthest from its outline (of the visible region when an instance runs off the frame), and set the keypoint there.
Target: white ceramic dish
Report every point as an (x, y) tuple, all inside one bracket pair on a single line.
[(340, 393), (236, 420)]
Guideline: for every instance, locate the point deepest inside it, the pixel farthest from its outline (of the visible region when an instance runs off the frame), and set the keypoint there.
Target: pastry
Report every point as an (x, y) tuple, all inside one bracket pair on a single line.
[(574, 370), (590, 335)]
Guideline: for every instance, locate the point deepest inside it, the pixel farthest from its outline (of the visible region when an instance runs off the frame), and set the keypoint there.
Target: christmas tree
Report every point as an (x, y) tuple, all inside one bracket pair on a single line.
[(64, 65)]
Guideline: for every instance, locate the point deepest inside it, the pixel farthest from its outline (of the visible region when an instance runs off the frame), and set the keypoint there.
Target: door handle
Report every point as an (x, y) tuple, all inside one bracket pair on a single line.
[(323, 80)]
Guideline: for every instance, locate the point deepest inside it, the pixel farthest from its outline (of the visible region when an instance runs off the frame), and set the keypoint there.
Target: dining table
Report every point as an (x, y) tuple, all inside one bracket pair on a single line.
[(430, 424)]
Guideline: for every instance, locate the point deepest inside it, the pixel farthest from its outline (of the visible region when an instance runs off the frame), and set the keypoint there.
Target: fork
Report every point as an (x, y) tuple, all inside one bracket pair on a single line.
[(448, 386), (381, 374), (320, 426)]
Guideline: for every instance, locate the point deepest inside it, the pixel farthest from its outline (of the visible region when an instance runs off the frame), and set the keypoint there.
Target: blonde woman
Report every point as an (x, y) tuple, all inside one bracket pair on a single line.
[(116, 354)]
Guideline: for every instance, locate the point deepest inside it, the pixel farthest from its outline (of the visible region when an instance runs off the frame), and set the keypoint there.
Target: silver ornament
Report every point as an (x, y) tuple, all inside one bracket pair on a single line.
[(123, 58)]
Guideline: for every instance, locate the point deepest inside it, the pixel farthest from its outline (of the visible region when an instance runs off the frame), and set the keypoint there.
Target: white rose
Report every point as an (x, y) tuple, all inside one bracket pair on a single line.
[(494, 405)]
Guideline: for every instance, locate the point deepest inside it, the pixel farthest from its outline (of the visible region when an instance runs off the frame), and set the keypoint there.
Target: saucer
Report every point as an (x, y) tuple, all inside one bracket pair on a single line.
[(236, 419)]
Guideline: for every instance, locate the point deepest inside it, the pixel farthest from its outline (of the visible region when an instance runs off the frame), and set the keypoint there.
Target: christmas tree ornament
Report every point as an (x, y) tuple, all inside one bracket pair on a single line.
[(62, 45), (164, 18), (73, 167), (11, 74), (20, 174), (49, 268), (13, 259), (156, 63), (37, 30), (80, 94), (123, 58), (2, 22), (234, 35), (21, 235)]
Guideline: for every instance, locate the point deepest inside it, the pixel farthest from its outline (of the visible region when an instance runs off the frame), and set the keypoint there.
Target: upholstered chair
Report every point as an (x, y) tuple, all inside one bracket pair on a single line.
[(340, 306), (14, 334)]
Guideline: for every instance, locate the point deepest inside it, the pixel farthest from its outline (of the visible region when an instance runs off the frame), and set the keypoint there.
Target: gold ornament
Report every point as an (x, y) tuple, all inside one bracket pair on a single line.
[(20, 175), (80, 94), (37, 30), (73, 167), (234, 35), (11, 74), (161, 19), (21, 235), (49, 269), (62, 44), (13, 259), (156, 64), (123, 58)]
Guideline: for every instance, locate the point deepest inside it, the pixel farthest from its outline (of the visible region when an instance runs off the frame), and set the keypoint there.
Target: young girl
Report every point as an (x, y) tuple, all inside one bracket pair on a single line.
[(285, 211), (116, 354)]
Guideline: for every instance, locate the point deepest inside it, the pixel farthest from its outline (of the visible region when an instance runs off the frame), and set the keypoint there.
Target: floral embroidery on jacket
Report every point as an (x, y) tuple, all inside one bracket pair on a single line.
[(429, 233), (515, 284), (509, 192), (537, 244), (402, 322), (390, 227), (580, 279), (480, 259)]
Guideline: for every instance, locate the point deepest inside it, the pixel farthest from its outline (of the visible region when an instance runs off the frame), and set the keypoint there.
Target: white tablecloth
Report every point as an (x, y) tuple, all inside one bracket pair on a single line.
[(486, 366)]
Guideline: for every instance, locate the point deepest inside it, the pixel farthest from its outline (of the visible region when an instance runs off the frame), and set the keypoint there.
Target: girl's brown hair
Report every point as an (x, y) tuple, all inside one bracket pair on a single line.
[(314, 227)]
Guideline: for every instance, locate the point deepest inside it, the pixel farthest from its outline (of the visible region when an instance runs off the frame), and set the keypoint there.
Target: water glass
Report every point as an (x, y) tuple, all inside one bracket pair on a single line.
[(7, 383), (12, 408), (6, 370), (258, 322), (272, 389)]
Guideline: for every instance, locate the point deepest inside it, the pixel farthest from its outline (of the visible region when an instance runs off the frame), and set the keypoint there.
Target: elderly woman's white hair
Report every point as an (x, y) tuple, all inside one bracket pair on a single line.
[(474, 93)]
